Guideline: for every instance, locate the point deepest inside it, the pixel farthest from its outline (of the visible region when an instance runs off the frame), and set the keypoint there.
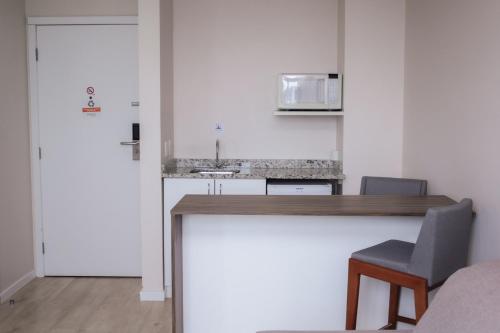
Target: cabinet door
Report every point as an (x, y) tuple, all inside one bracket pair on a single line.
[(173, 191), (240, 186), (175, 188)]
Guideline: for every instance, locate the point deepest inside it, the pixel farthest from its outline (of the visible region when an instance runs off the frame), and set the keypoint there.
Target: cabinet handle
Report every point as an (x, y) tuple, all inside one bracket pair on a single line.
[(208, 188), (220, 188)]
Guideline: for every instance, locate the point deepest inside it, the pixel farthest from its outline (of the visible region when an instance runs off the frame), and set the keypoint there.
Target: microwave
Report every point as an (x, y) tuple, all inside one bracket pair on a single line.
[(310, 92)]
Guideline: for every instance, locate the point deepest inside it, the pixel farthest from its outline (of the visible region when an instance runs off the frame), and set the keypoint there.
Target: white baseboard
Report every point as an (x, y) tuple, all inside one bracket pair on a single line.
[(13, 288), (152, 296)]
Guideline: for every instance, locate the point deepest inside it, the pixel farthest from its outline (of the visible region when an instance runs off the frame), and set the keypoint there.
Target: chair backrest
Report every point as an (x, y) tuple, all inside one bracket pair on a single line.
[(443, 243), (469, 302), (396, 186)]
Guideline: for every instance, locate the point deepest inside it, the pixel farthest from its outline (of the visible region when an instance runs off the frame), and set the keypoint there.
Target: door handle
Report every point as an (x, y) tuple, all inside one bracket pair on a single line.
[(135, 143), (130, 143), (136, 148), (220, 189)]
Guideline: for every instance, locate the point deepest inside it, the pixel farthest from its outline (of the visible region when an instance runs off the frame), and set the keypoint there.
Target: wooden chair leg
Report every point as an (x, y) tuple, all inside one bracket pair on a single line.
[(397, 281), (393, 307), (352, 297), (421, 294)]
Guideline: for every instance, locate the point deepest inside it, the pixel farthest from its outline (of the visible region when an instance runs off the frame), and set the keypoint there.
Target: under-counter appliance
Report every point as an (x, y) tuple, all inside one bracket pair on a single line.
[(299, 188), (310, 92)]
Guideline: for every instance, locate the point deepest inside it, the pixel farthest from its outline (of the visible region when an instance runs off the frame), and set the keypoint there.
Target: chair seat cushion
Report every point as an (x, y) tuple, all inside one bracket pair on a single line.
[(393, 254)]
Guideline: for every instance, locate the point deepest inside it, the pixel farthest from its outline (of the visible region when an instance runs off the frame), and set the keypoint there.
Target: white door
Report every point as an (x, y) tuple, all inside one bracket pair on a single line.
[(90, 184)]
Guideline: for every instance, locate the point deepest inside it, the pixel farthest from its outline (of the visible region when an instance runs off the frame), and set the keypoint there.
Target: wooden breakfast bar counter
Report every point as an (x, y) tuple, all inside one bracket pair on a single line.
[(247, 263)]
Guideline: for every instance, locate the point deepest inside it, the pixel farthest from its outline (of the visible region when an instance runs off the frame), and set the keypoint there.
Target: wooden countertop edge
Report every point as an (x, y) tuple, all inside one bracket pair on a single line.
[(309, 205), (298, 214)]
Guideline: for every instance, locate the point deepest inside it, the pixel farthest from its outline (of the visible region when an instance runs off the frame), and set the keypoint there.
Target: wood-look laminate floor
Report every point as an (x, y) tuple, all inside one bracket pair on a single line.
[(71, 305)]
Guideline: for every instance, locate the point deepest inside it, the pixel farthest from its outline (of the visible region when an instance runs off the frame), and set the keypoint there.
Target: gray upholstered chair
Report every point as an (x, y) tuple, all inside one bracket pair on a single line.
[(441, 249), (469, 302), (396, 186)]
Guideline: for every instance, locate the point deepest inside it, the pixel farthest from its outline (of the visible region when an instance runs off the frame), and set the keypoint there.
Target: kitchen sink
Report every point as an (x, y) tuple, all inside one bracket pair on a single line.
[(215, 171)]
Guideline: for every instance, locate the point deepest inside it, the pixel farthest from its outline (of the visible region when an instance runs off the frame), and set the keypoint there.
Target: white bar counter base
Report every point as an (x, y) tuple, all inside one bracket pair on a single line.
[(237, 272)]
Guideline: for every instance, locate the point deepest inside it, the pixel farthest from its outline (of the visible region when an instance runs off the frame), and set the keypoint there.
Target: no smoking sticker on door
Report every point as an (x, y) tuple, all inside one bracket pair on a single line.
[(91, 110), (91, 105)]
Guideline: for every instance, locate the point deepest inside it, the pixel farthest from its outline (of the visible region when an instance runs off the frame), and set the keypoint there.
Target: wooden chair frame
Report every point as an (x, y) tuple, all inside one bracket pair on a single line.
[(397, 280)]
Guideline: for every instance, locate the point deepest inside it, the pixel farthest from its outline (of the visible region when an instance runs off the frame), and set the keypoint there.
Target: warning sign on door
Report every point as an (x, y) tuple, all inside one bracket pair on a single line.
[(90, 101), (91, 110)]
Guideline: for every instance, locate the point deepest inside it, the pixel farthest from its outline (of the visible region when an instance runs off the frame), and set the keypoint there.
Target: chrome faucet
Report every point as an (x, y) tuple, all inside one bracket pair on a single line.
[(218, 164)]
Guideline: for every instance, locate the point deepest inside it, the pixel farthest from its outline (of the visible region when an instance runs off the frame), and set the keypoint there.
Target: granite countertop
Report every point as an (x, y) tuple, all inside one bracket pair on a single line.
[(258, 169)]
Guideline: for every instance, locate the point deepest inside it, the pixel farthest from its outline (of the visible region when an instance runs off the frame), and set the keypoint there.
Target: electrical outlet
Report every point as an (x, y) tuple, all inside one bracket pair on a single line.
[(219, 128)]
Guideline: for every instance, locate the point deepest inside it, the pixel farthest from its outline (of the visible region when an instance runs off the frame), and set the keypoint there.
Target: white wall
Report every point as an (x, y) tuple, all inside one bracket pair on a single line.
[(374, 89), (150, 166), (80, 8), (16, 243), (452, 113), (227, 55)]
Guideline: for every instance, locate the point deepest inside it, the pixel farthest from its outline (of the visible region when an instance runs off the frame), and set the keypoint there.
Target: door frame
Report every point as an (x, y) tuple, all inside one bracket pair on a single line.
[(36, 185)]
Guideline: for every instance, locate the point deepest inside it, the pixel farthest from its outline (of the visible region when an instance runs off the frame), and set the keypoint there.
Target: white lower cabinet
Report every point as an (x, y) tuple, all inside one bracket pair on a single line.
[(240, 186), (174, 189)]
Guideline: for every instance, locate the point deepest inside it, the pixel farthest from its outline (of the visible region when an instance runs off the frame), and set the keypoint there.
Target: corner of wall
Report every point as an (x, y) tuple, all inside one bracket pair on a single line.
[(374, 94), (167, 88), (8, 291), (405, 73), (16, 231), (150, 171)]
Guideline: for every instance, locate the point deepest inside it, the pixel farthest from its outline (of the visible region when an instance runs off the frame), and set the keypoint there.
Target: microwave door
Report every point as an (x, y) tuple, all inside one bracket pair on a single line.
[(308, 91), (304, 92), (289, 85), (313, 92)]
